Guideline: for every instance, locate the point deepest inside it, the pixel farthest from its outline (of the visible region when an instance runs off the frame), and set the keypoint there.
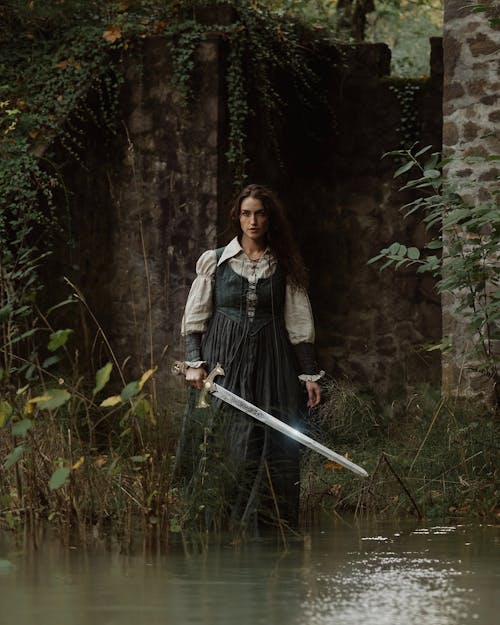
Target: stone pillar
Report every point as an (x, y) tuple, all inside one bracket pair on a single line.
[(471, 116), (147, 208)]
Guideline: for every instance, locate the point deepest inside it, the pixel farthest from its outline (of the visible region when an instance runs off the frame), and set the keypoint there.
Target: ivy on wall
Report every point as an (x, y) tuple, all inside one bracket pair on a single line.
[(61, 68), (53, 56), (407, 91)]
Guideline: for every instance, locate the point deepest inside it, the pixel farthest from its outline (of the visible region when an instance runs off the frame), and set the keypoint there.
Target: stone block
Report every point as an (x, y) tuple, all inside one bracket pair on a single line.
[(482, 45), (450, 133)]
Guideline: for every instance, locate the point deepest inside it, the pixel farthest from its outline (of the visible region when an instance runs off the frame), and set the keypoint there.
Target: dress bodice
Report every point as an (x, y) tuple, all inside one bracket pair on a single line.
[(255, 303)]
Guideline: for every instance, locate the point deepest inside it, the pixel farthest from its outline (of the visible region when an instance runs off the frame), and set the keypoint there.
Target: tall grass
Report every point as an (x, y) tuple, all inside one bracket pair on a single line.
[(427, 455)]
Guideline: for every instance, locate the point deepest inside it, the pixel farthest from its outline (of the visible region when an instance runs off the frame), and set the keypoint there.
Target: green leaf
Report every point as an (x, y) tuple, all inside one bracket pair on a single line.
[(413, 253), (102, 378), (24, 335), (5, 412), (51, 360), (432, 174), (114, 468), (423, 151), (139, 459), (456, 215), (5, 312), (386, 264), (143, 409), (434, 245), (145, 377), (21, 427), (58, 339), (404, 168), (130, 390), (14, 456), (432, 162), (70, 300), (59, 478), (52, 398), (114, 400)]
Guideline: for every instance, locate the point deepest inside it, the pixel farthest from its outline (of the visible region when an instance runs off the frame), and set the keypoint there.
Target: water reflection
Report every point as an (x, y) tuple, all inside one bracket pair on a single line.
[(390, 589), (343, 575)]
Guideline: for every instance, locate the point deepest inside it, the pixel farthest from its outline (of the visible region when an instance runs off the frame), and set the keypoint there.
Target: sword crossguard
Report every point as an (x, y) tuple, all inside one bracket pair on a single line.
[(209, 386)]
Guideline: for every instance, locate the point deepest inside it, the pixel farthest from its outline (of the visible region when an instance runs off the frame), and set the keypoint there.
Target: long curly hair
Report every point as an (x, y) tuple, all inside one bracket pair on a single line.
[(279, 235)]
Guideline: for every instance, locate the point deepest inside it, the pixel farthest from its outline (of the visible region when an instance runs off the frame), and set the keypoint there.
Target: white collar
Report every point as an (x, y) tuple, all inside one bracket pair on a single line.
[(232, 249)]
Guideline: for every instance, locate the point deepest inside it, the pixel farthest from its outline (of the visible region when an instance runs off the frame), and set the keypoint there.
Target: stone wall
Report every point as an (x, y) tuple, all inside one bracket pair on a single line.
[(144, 206), (345, 206), (471, 113)]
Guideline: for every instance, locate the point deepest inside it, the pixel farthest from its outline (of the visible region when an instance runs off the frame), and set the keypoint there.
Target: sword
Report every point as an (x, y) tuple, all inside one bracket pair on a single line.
[(210, 387)]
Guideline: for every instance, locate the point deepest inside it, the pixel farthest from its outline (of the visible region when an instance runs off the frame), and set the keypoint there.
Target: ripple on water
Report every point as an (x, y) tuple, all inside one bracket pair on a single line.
[(390, 589)]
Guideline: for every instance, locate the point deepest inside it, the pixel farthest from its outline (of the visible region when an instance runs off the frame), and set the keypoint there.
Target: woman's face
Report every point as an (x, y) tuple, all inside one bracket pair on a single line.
[(254, 221)]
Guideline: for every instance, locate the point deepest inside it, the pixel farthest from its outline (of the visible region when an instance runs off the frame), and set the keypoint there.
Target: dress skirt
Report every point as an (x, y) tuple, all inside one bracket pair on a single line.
[(236, 473)]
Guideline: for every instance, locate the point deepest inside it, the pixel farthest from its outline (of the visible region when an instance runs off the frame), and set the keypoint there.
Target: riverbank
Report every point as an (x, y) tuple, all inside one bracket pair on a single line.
[(428, 456), (109, 473)]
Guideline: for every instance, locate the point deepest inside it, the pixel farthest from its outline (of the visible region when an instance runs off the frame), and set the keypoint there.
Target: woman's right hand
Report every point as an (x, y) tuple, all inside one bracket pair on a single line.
[(195, 377)]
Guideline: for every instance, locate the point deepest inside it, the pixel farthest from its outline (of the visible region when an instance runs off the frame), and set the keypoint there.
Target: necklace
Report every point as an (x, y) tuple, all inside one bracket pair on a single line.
[(257, 258)]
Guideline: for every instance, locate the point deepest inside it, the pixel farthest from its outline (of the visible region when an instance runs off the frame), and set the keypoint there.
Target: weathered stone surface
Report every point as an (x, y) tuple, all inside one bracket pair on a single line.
[(482, 45), (345, 207), (470, 131), (451, 53), (463, 173), (489, 175), (470, 45), (476, 150), (455, 90), (152, 208), (450, 133), (476, 88)]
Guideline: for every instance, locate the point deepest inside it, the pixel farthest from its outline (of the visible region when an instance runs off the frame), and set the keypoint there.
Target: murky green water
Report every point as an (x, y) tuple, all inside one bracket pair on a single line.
[(360, 575)]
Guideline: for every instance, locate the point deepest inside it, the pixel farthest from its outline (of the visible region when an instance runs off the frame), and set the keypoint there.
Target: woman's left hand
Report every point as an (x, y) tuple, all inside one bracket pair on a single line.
[(314, 394)]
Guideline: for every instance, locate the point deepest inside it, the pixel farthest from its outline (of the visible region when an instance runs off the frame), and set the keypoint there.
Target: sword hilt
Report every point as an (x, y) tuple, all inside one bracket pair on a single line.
[(209, 386)]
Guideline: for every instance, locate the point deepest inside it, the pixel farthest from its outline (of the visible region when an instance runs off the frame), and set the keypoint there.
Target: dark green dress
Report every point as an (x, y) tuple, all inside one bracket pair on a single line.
[(242, 473)]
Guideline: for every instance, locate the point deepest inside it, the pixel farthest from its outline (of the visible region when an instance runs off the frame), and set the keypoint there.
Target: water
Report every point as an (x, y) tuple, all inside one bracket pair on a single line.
[(381, 574)]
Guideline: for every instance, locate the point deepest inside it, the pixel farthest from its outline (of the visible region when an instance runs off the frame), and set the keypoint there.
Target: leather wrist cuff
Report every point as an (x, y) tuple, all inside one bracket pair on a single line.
[(306, 355), (192, 344)]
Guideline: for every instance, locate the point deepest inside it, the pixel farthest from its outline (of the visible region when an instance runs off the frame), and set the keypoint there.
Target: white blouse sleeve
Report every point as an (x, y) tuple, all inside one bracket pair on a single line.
[(298, 316), (199, 306)]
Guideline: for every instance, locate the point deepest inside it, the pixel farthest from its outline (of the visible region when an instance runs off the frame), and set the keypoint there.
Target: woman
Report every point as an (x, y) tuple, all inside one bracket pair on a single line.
[(248, 309)]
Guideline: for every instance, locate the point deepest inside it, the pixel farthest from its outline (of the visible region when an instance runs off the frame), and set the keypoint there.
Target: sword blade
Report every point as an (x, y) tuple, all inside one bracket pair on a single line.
[(257, 413)]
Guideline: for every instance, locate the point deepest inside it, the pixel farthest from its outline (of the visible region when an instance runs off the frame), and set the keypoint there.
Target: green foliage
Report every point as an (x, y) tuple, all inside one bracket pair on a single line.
[(110, 480), (406, 27), (491, 9), (462, 251), (407, 90), (102, 378), (59, 478)]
